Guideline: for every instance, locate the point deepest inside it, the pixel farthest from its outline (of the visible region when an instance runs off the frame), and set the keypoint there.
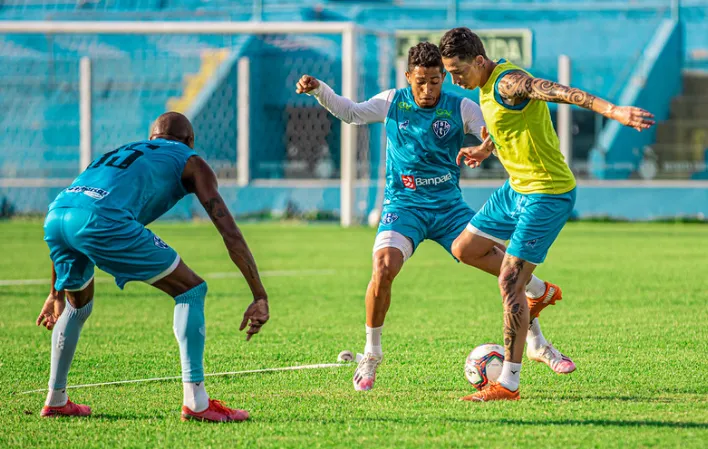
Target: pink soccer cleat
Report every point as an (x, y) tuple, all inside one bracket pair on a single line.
[(216, 412), (68, 409), (558, 362), (365, 373)]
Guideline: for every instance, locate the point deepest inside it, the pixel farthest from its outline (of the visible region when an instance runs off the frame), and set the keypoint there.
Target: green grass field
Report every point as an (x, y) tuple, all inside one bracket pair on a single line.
[(634, 319)]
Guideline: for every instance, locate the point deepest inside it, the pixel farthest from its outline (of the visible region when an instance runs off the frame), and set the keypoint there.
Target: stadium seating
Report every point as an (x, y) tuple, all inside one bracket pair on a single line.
[(134, 80)]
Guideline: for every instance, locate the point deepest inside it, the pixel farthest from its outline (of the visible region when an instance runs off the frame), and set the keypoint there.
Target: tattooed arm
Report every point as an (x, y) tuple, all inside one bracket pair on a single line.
[(518, 86), (200, 179)]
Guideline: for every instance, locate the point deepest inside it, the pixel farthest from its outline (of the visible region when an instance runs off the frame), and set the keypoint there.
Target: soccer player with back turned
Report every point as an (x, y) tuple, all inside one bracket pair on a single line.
[(99, 220)]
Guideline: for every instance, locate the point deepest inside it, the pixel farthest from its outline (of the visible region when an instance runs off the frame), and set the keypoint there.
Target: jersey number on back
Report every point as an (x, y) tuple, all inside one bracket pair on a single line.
[(118, 158)]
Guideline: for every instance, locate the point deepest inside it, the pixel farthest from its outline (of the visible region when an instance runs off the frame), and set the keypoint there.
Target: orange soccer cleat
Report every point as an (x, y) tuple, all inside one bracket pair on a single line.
[(216, 412), (552, 294), (68, 409), (493, 392)]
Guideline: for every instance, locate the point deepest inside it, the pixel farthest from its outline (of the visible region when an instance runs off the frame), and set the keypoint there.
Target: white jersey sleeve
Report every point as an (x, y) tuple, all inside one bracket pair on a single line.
[(472, 117), (373, 110)]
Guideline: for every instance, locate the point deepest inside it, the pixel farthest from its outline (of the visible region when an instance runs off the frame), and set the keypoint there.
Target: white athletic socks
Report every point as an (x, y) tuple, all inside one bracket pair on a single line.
[(56, 398), (195, 396), (373, 341), (534, 338), (535, 288), (510, 376)]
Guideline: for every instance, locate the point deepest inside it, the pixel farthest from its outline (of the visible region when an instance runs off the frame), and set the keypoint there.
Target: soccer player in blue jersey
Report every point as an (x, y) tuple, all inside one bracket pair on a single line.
[(99, 220), (425, 129)]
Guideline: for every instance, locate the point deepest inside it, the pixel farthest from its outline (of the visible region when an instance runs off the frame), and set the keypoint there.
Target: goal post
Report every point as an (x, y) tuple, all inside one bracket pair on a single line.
[(349, 86)]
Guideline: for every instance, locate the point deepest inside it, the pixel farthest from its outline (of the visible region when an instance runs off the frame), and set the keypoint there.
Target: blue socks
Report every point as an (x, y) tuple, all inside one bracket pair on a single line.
[(190, 330), (65, 336)]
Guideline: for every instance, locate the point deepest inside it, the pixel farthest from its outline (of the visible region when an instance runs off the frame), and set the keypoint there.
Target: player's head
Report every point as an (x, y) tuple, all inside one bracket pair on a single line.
[(173, 126), (464, 57), (425, 74)]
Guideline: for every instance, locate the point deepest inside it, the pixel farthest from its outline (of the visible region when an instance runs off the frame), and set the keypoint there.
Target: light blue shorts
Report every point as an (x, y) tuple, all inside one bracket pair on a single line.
[(78, 240), (531, 222), (442, 226)]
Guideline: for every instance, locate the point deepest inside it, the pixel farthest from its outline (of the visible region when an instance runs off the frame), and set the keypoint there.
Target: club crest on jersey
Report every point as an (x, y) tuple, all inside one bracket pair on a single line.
[(389, 218), (159, 243), (408, 181), (441, 128), (403, 125)]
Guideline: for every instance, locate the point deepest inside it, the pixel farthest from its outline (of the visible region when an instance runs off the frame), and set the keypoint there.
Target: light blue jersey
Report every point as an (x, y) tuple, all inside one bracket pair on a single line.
[(99, 220), (421, 148), (423, 198), (139, 181)]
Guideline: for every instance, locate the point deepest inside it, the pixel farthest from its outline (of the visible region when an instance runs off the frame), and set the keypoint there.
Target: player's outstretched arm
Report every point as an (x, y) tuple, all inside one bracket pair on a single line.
[(53, 306), (373, 110), (199, 178), (519, 85)]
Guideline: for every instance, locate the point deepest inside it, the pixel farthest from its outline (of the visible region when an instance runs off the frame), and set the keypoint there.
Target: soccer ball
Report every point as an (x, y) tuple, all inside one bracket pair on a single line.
[(484, 365)]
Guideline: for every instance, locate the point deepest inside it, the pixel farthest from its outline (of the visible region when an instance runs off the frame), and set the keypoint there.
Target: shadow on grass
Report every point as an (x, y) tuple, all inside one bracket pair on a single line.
[(637, 399), (133, 416), (513, 422)]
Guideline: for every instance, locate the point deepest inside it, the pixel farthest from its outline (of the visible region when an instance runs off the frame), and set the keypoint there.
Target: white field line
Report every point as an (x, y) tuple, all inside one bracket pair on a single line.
[(228, 373), (222, 275)]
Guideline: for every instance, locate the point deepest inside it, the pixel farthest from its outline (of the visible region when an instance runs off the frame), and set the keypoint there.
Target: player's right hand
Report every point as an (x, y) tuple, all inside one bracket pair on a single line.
[(307, 84), (51, 311), (257, 313)]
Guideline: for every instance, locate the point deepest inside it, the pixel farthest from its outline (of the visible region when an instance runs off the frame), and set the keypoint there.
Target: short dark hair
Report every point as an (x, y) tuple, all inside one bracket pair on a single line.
[(425, 54), (463, 43)]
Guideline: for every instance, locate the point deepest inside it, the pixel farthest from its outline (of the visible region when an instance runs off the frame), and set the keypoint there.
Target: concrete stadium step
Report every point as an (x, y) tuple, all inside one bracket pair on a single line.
[(695, 84), (679, 153), (690, 107), (682, 132)]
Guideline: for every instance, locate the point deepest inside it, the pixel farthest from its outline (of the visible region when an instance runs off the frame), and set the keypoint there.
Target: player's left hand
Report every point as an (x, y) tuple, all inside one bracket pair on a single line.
[(633, 117), (474, 156), (51, 311), (257, 313)]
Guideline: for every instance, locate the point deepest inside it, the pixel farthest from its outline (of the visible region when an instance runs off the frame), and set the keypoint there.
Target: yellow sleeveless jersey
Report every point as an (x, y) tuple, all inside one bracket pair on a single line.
[(526, 143)]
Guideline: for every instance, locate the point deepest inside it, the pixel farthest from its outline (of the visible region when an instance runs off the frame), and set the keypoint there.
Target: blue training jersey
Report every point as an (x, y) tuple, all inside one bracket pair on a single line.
[(139, 181), (421, 148)]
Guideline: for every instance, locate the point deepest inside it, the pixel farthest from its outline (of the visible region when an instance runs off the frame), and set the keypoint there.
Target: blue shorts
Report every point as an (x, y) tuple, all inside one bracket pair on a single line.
[(78, 239), (442, 226), (532, 222)]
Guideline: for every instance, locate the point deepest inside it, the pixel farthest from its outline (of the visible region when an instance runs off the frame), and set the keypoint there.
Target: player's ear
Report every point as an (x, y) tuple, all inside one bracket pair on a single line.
[(479, 60), (190, 141), (408, 77)]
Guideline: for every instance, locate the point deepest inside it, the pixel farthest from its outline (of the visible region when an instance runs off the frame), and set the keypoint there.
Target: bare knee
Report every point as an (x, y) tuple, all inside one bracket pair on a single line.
[(383, 274), (458, 249), (469, 252)]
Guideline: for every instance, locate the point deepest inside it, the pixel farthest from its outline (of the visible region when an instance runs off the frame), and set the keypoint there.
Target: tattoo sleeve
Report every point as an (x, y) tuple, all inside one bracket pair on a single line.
[(519, 85), (513, 312)]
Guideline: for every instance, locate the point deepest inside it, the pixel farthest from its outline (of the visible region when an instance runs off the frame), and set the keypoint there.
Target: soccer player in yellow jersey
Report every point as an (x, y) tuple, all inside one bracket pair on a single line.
[(531, 208)]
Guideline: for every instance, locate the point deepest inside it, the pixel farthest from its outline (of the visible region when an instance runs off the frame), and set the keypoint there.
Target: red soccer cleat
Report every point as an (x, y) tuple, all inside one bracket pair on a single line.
[(68, 409), (552, 294), (493, 392), (216, 412)]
